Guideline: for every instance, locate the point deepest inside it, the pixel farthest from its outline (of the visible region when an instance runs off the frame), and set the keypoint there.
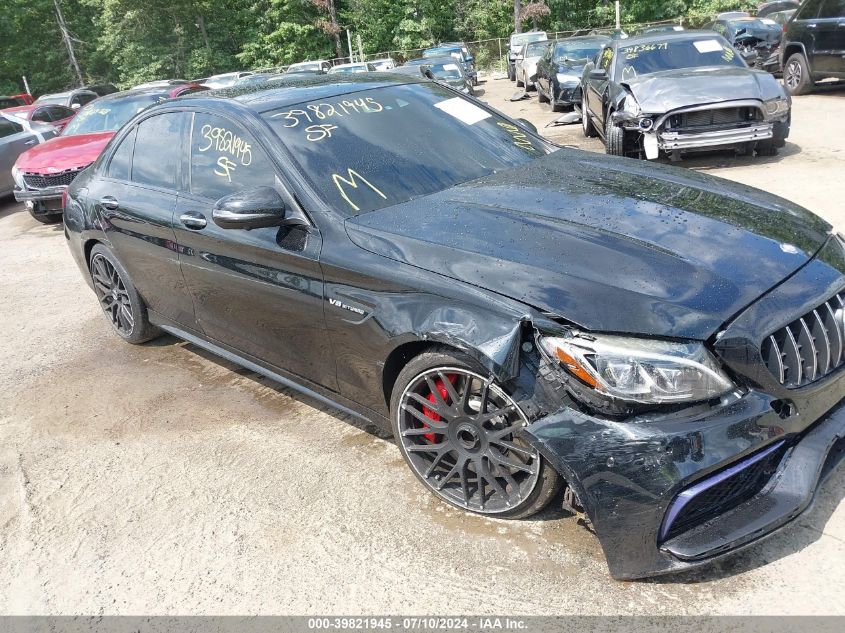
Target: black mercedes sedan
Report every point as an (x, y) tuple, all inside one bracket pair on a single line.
[(559, 70), (657, 350), (677, 93)]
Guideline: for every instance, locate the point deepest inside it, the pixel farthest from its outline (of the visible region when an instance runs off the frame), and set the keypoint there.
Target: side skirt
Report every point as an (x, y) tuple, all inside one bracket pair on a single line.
[(331, 399)]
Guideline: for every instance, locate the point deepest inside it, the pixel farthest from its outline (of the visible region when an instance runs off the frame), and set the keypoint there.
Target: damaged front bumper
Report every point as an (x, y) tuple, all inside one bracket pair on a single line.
[(47, 201), (667, 493), (733, 124)]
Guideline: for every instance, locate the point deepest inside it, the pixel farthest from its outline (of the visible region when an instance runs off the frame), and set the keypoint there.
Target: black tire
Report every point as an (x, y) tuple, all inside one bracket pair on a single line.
[(540, 96), (511, 72), (587, 126), (767, 148), (120, 301), (51, 218), (474, 437), (797, 78), (519, 82), (614, 139)]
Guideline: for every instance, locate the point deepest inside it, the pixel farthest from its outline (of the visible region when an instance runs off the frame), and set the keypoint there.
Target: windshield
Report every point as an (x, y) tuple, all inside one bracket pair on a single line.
[(446, 71), (642, 59), (302, 66), (524, 38), (535, 49), (349, 69), (381, 147), (443, 52), (52, 99), (108, 116), (577, 51)]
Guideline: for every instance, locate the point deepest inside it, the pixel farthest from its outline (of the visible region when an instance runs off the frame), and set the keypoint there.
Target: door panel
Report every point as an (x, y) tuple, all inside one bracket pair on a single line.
[(14, 141), (829, 33), (259, 291), (137, 213)]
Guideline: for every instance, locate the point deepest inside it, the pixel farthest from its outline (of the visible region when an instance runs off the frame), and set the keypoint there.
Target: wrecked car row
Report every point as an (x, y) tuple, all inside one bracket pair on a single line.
[(466, 297)]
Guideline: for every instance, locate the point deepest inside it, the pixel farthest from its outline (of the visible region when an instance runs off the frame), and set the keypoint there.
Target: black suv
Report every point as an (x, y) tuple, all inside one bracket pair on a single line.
[(814, 45)]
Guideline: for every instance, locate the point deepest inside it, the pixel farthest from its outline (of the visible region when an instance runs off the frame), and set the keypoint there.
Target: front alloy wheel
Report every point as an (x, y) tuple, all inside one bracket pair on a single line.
[(459, 433)]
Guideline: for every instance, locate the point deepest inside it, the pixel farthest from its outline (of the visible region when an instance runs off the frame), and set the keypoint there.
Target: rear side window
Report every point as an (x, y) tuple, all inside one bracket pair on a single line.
[(57, 113), (43, 115), (121, 161), (158, 150), (833, 9), (225, 158)]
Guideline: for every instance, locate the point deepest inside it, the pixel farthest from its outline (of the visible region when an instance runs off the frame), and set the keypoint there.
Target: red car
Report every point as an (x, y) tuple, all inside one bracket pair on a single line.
[(56, 115), (43, 173), (24, 98)]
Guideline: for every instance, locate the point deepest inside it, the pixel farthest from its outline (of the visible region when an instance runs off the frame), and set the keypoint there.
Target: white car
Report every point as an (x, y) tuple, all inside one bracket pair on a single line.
[(314, 67), (517, 41), (224, 80), (357, 67), (526, 63), (384, 64)]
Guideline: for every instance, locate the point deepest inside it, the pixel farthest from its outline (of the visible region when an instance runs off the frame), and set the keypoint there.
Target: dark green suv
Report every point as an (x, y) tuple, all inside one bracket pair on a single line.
[(813, 45)]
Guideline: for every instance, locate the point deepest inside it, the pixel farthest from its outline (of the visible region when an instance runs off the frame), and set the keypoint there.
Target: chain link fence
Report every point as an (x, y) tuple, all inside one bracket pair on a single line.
[(491, 55)]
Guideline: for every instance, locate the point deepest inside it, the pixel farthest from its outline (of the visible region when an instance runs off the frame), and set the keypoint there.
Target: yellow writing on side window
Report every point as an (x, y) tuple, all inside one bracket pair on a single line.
[(352, 180), (222, 140)]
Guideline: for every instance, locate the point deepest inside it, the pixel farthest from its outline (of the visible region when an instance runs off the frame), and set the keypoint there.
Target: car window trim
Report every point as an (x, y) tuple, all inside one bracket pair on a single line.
[(146, 185), (279, 178)]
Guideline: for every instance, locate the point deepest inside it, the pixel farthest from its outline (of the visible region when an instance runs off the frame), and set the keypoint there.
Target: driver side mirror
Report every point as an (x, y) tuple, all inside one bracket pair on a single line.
[(598, 73), (75, 106), (254, 208)]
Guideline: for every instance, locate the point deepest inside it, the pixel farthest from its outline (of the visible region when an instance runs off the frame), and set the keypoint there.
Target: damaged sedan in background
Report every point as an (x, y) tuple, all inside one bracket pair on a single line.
[(681, 92), (519, 315)]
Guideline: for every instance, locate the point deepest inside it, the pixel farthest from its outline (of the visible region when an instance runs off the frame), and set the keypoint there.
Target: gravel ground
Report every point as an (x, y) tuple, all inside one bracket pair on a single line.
[(159, 479)]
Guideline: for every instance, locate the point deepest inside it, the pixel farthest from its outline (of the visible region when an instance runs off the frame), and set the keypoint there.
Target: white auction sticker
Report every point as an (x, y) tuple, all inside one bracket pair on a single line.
[(708, 46), (462, 110)]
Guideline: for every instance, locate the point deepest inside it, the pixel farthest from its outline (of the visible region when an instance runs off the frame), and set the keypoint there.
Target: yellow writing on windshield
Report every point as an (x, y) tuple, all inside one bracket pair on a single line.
[(352, 180)]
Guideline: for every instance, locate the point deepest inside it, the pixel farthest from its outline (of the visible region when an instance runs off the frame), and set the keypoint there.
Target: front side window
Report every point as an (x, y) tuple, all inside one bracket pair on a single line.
[(225, 158), (81, 100), (158, 150), (606, 59), (809, 10), (833, 9), (381, 147), (43, 115), (121, 161)]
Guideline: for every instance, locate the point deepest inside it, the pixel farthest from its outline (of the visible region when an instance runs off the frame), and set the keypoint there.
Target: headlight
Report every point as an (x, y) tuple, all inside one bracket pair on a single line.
[(640, 370), (777, 106), (564, 79), (17, 176)]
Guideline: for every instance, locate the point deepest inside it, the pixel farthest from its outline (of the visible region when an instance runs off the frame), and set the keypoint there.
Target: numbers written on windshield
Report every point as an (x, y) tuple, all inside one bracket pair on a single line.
[(310, 116)]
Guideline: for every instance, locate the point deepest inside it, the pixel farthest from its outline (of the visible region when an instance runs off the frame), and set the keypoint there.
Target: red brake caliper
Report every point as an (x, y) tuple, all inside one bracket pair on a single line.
[(430, 413)]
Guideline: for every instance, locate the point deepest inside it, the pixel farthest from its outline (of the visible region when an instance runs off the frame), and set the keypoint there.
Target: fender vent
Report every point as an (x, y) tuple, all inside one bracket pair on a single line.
[(810, 347)]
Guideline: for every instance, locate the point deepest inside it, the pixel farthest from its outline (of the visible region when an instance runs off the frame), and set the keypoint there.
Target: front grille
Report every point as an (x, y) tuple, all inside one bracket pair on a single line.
[(42, 181), (809, 348), (705, 501), (715, 118)]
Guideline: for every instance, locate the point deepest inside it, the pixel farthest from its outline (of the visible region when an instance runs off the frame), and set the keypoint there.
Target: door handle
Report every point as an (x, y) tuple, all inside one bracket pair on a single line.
[(812, 25), (30, 142), (193, 220), (108, 202)]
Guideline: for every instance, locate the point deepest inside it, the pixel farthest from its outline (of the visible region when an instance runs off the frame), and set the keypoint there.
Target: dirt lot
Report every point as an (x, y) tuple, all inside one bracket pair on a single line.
[(158, 479)]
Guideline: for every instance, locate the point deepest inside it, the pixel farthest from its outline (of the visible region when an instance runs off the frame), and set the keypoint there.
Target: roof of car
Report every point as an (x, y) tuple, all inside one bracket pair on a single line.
[(288, 91), (581, 38)]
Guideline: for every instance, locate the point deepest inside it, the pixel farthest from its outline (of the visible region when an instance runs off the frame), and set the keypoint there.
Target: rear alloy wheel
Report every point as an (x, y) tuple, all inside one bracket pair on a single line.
[(121, 303), (796, 75), (459, 433)]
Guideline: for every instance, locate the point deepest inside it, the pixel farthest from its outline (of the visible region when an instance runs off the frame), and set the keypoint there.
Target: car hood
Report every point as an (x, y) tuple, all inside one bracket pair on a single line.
[(669, 89), (63, 153), (611, 245)]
